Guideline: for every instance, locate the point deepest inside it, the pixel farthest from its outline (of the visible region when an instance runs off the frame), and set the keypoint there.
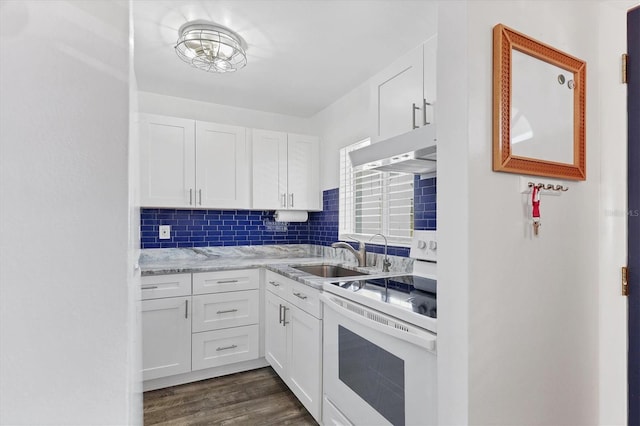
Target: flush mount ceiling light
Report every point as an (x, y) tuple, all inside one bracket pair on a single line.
[(211, 47)]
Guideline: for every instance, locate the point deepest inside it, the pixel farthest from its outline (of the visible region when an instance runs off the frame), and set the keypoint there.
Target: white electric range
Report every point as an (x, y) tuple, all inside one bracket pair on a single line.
[(379, 356)]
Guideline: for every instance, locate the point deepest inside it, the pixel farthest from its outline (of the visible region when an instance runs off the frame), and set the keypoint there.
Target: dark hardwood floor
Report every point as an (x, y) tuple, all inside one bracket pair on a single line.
[(257, 397)]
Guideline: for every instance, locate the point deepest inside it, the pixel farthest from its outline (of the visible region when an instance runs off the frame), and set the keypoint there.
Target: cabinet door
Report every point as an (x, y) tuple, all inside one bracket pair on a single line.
[(275, 334), (222, 167), (166, 337), (269, 170), (303, 173), (395, 90), (430, 48), (304, 358), (167, 153)]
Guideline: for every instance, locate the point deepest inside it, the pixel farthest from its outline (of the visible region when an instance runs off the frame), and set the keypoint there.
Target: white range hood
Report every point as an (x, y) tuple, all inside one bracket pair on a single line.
[(411, 152)]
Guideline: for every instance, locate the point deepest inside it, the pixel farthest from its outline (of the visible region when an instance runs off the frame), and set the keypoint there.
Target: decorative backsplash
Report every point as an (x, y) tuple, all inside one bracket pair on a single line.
[(209, 228)]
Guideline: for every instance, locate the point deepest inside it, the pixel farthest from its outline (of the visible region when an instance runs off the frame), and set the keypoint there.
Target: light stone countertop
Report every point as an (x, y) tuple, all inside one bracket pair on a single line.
[(277, 258)]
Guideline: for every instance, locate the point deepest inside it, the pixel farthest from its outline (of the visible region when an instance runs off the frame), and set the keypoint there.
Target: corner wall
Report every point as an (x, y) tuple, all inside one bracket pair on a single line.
[(533, 302), (64, 302)]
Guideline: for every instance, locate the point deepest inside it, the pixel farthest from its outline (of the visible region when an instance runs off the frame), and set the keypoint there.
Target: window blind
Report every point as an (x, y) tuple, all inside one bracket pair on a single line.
[(374, 202)]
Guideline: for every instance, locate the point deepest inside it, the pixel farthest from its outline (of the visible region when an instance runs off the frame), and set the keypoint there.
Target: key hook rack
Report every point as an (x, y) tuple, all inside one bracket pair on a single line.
[(548, 187)]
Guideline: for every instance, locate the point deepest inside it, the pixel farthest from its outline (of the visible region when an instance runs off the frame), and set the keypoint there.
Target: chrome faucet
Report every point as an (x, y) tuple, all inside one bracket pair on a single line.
[(385, 262), (360, 254)]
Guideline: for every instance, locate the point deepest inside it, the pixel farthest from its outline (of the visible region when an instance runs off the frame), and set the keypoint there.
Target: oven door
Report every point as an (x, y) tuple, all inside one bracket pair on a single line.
[(377, 370)]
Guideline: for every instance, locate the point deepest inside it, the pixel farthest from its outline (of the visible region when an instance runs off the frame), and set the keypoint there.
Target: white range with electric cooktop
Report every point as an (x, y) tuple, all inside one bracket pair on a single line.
[(379, 346)]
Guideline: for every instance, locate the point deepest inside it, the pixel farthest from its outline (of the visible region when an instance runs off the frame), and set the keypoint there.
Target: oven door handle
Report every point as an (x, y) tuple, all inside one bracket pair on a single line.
[(426, 339)]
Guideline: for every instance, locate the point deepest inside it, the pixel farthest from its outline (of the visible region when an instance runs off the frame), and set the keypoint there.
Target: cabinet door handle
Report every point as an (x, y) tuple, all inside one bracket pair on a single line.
[(280, 314), (284, 315), (200, 195), (300, 295), (190, 196), (226, 281), (149, 287), (186, 308), (284, 200), (224, 348), (275, 284), (291, 200), (227, 311), (424, 111), (413, 115)]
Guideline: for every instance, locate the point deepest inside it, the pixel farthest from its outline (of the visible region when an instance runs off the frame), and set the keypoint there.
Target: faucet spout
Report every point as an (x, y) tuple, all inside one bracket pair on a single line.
[(360, 254), (385, 262)]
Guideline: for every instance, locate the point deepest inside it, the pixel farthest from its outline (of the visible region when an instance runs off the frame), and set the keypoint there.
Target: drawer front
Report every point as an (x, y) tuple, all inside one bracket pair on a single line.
[(223, 281), (221, 347), (276, 283), (159, 286), (223, 310), (305, 298)]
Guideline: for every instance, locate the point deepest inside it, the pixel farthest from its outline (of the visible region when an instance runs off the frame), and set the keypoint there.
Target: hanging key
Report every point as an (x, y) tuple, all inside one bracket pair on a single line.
[(536, 227), (535, 201)]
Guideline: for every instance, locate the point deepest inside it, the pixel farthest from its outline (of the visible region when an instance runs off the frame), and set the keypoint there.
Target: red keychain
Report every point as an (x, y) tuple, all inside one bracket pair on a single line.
[(535, 201)]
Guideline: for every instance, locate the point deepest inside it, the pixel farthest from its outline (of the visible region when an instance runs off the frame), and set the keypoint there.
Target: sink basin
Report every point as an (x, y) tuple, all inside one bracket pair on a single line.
[(329, 271)]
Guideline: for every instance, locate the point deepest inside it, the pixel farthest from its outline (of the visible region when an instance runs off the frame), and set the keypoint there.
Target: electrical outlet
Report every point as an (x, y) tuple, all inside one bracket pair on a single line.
[(164, 232)]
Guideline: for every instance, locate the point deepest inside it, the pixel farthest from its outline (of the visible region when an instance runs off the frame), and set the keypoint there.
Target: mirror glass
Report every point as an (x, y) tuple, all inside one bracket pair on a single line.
[(539, 108)]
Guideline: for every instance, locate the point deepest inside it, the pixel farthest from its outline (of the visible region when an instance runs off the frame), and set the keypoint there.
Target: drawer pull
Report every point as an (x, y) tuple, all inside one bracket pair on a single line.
[(186, 308), (300, 295), (275, 284), (149, 287), (227, 311), (227, 281), (224, 348)]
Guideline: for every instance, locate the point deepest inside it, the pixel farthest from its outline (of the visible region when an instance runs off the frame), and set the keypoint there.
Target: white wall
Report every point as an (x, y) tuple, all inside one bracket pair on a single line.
[(134, 362), (64, 303), (453, 214), (154, 103), (342, 123), (533, 302)]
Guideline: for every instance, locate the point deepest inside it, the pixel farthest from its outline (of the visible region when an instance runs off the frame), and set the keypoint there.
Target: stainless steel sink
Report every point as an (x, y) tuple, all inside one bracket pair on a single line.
[(329, 271)]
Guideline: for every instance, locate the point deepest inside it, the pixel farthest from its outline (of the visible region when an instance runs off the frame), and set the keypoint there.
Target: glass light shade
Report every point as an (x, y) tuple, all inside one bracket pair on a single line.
[(211, 47)]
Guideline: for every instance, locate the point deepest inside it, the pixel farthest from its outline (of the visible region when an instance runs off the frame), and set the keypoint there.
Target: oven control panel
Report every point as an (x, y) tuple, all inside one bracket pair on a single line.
[(424, 246)]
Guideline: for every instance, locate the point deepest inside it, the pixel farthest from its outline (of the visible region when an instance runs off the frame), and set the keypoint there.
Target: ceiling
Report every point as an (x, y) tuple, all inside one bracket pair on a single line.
[(302, 55)]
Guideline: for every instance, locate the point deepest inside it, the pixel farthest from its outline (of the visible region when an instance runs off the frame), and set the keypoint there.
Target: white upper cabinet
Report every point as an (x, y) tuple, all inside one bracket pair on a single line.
[(285, 171), (403, 94), (303, 172), (167, 152), (222, 166), (193, 164)]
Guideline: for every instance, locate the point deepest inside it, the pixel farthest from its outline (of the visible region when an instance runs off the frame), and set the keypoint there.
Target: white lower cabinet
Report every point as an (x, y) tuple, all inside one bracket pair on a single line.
[(222, 347), (275, 339), (293, 342), (166, 337), (331, 416), (215, 324), (224, 310)]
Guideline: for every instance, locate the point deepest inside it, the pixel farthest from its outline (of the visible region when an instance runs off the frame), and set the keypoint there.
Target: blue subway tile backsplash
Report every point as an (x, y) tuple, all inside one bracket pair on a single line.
[(202, 228)]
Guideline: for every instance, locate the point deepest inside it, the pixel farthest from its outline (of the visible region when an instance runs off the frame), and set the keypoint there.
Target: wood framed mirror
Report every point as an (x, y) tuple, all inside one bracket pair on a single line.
[(539, 97)]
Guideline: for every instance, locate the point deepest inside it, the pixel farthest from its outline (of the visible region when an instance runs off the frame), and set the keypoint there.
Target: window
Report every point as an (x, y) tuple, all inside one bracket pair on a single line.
[(374, 202)]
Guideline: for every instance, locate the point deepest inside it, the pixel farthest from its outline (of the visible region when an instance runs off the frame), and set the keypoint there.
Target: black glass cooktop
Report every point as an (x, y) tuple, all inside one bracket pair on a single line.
[(410, 292)]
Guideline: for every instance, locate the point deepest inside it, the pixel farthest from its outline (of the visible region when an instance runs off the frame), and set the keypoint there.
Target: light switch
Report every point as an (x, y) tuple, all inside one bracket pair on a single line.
[(164, 232)]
